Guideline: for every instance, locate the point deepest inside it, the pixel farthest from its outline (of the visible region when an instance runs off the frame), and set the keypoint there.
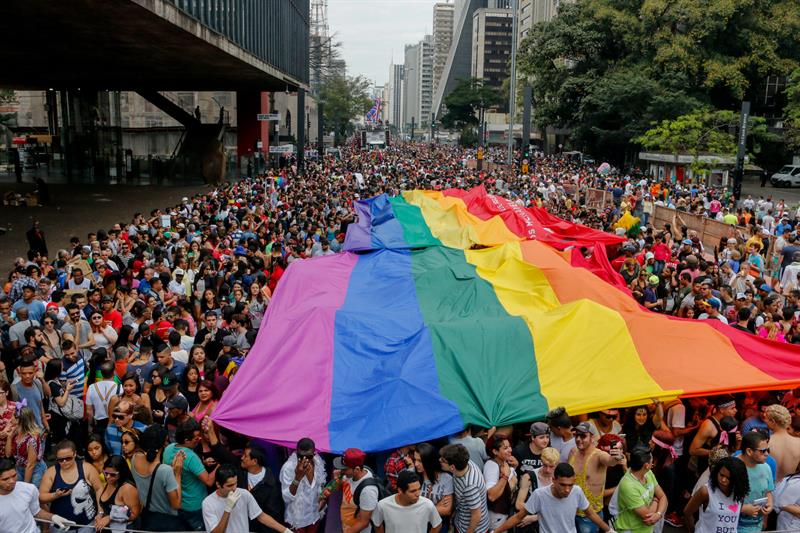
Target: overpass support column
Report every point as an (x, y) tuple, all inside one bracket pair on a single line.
[(249, 130)]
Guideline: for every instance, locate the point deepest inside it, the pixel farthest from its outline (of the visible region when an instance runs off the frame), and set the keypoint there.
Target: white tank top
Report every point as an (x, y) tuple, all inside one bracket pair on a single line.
[(721, 515)]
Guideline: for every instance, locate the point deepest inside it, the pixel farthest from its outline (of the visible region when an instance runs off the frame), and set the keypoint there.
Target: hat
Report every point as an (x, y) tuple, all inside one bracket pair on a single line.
[(137, 265), (107, 298), (240, 251), (351, 458), (715, 303), (741, 296), (654, 280), (177, 402), (179, 272), (229, 340), (731, 241), (168, 380), (583, 427), (649, 255), (539, 428), (765, 288), (686, 241)]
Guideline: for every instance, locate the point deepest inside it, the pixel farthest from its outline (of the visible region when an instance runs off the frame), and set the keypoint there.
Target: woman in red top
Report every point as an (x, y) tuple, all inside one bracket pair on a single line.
[(7, 408), (278, 266)]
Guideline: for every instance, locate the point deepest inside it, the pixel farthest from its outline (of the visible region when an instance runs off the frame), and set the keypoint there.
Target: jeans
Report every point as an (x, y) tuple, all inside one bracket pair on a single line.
[(38, 472), (192, 520), (584, 525), (658, 267)]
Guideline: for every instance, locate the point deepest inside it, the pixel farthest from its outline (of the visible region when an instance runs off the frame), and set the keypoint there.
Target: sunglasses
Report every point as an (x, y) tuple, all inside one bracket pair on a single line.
[(763, 450), (65, 459), (120, 416)]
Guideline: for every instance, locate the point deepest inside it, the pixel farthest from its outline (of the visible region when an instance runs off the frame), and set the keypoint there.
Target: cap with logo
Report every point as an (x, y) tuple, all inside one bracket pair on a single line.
[(351, 458)]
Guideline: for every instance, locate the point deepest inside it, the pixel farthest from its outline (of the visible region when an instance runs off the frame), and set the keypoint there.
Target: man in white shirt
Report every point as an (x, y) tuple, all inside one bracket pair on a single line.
[(19, 504), (229, 509), (302, 479), (99, 394), (556, 505), (406, 512)]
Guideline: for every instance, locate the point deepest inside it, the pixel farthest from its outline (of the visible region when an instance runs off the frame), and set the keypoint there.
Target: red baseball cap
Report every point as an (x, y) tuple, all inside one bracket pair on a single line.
[(351, 458)]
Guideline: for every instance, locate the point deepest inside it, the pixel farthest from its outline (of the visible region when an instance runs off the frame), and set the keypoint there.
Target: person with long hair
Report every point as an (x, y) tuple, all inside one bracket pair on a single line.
[(638, 427), (159, 485), (104, 335), (208, 396), (118, 503), (501, 479), (721, 499), (26, 446), (256, 305), (7, 410), (130, 443), (52, 336), (131, 391), (190, 382), (197, 358), (437, 485), (97, 453)]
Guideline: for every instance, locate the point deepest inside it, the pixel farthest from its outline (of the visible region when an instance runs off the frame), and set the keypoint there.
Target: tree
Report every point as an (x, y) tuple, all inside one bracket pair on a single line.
[(344, 98), (464, 102), (792, 111), (703, 132), (606, 68)]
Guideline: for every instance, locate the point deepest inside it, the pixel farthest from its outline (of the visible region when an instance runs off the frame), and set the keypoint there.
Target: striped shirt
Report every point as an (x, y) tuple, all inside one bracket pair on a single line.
[(470, 493), (77, 373)]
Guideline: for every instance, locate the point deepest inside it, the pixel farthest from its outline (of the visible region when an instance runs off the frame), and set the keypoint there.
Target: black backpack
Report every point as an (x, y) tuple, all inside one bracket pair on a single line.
[(369, 482)]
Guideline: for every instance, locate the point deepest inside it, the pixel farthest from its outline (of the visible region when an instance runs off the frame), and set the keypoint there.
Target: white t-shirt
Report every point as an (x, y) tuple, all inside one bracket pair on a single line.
[(255, 479), (246, 509), (367, 500), (616, 429), (556, 515), (406, 519), (181, 356), (18, 509), (491, 474), (98, 396), (787, 493)]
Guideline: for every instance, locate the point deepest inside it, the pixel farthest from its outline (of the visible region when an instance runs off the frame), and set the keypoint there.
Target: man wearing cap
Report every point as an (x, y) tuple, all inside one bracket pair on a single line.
[(111, 315), (177, 408), (529, 454), (651, 300), (176, 286), (590, 465), (711, 308), (710, 430), (685, 249), (356, 515)]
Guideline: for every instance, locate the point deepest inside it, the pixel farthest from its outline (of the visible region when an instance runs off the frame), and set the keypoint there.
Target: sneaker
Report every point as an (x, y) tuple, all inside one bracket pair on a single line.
[(674, 519)]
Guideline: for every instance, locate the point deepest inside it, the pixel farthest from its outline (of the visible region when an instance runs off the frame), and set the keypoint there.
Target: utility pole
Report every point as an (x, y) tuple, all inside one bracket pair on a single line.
[(513, 85), (413, 126)]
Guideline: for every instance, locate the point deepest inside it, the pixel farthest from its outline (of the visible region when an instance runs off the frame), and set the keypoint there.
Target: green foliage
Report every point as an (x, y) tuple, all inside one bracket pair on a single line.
[(464, 102), (792, 111), (607, 68), (702, 132), (344, 98), (7, 96)]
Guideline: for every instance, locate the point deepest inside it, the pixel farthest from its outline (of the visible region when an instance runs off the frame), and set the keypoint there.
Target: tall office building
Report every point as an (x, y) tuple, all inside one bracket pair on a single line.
[(492, 30), (394, 106), (418, 82), (442, 39)]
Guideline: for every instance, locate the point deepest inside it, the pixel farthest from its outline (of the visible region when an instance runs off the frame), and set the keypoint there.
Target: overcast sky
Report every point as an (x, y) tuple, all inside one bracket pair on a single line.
[(372, 31)]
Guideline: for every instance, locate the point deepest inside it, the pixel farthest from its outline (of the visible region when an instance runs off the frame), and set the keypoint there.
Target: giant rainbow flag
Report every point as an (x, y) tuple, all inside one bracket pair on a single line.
[(454, 308)]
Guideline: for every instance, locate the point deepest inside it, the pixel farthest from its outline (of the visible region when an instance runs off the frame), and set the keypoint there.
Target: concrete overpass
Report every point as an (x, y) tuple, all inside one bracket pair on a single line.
[(82, 48)]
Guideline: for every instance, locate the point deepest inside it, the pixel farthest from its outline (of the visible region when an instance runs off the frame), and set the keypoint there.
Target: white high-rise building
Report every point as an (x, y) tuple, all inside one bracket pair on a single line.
[(394, 106), (442, 39), (418, 82)]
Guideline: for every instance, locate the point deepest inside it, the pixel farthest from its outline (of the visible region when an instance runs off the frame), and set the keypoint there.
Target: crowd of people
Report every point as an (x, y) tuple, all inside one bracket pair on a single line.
[(117, 347)]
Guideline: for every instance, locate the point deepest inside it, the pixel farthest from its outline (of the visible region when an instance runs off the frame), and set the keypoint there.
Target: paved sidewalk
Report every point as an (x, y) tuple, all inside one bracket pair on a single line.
[(78, 210)]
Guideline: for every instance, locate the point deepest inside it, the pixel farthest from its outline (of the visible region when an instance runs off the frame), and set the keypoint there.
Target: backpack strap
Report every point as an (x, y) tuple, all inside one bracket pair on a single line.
[(368, 482)]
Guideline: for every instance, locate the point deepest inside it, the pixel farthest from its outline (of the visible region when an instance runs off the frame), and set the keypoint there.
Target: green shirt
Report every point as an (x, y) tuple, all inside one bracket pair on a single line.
[(193, 491), (632, 495)]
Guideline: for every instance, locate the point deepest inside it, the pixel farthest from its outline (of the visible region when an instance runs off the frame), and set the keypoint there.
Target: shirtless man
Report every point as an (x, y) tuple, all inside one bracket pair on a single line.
[(590, 466), (784, 448), (708, 435)]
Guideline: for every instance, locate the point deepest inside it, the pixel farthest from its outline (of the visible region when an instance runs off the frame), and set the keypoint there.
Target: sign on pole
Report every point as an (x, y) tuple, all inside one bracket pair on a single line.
[(264, 117)]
